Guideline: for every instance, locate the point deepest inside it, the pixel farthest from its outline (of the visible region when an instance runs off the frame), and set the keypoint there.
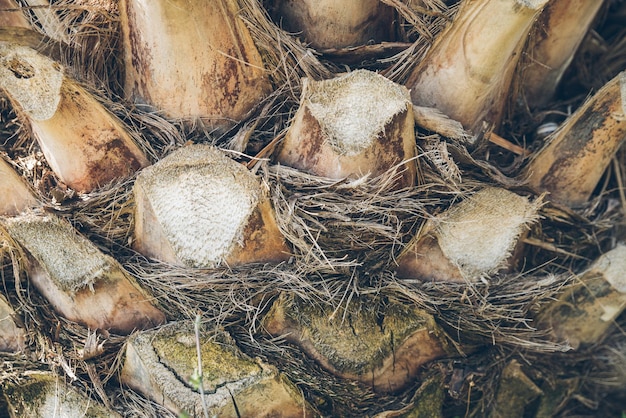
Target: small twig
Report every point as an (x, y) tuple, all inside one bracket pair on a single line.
[(508, 145), (199, 356)]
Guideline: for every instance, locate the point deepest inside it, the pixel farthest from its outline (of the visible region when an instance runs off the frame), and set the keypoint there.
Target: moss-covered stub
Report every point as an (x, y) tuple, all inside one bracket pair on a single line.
[(222, 362)]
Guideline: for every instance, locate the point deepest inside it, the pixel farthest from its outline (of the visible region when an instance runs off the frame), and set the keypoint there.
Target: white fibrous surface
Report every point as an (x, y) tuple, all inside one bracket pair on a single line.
[(353, 109), (31, 79), (70, 260), (612, 265), (478, 234), (202, 200), (533, 4)]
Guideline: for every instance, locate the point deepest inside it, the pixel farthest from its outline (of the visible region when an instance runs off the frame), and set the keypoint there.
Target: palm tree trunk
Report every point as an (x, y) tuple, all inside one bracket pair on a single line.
[(391, 270)]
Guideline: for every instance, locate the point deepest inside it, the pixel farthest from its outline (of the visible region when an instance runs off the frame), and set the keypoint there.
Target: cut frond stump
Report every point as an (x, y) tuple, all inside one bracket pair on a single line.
[(354, 125), (559, 30), (16, 195), (382, 349), (515, 392), (198, 208), (583, 313), (81, 283), (468, 71), (12, 337), (572, 161), (85, 145), (43, 394), (160, 364), (473, 238), (328, 24), (191, 59)]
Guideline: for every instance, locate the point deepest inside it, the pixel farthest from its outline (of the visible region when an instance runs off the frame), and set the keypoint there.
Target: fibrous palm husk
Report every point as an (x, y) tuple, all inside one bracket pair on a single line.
[(556, 35), (487, 313), (161, 362), (80, 282), (47, 18), (585, 143), (83, 142), (198, 207), (493, 313), (473, 238), (358, 124)]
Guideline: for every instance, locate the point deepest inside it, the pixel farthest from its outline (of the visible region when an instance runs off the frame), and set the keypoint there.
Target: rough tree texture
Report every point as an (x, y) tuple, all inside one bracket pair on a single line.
[(160, 364), (585, 143), (535, 334), (199, 208), (354, 125), (461, 75), (191, 59), (79, 281), (336, 23), (559, 31), (382, 349), (83, 142), (473, 238)]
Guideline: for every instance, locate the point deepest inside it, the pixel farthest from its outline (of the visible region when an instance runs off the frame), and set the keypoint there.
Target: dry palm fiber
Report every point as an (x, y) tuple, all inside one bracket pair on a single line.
[(192, 289), (244, 289), (489, 316), (87, 30), (288, 59), (86, 358), (563, 241)]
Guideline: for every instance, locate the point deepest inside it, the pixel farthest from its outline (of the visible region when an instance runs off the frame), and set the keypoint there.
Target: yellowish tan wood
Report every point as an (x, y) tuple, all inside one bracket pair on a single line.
[(473, 238), (81, 283), (336, 23), (559, 30), (191, 59), (468, 71), (199, 208), (354, 125), (85, 145), (574, 158), (11, 15), (16, 195)]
